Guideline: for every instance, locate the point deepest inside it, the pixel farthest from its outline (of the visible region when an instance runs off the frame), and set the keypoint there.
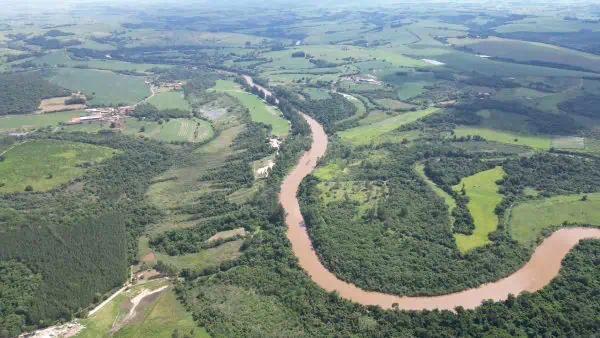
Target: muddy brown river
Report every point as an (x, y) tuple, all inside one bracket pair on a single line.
[(543, 266)]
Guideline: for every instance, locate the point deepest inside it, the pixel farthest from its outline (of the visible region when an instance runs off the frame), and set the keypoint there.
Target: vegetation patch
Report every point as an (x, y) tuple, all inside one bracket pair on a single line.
[(367, 134), (450, 202), (529, 218), (482, 191), (365, 194), (45, 164), (170, 100)]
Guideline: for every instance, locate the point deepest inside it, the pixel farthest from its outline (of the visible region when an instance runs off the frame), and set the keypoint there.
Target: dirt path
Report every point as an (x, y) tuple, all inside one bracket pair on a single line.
[(101, 305), (13, 147), (543, 266)]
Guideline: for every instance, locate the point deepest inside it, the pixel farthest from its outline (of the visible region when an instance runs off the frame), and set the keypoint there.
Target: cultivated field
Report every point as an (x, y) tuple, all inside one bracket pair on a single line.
[(104, 87), (46, 164), (482, 191), (528, 219)]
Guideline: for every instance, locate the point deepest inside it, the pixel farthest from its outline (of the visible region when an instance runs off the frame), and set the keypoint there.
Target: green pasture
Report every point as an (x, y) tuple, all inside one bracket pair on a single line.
[(170, 100), (205, 258), (259, 110), (368, 133), (483, 194), (537, 142), (106, 87), (394, 104), (529, 218), (45, 164)]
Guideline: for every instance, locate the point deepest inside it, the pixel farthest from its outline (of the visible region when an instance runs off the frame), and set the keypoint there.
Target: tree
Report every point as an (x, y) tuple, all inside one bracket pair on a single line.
[(142, 129), (113, 125), (28, 188), (584, 198)]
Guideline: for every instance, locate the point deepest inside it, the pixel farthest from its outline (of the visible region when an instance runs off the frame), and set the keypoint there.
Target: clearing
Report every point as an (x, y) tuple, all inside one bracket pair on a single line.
[(57, 104), (259, 110), (528, 219), (366, 134), (483, 194), (537, 142), (156, 313), (34, 121), (45, 164)]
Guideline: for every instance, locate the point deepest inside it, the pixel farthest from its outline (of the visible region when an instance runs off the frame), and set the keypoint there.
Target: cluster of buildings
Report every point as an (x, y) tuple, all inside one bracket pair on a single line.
[(370, 79), (103, 115)]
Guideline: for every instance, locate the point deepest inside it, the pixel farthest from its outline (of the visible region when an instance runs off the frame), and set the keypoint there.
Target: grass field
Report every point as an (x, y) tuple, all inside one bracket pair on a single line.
[(34, 121), (161, 317), (538, 142), (170, 100), (106, 87), (450, 202), (530, 51), (45, 164), (482, 191), (368, 133), (259, 110), (528, 219), (316, 93)]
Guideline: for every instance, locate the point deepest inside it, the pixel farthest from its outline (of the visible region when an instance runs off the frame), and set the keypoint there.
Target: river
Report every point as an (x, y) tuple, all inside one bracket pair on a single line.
[(543, 266)]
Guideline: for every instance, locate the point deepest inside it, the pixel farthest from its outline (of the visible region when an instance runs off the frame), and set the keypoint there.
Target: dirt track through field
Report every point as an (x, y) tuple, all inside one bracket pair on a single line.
[(543, 266)]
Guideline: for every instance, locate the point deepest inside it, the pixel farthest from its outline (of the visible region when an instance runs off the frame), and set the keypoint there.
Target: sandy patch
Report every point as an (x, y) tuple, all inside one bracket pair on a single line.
[(57, 331), (433, 62), (228, 234), (57, 104), (264, 171)]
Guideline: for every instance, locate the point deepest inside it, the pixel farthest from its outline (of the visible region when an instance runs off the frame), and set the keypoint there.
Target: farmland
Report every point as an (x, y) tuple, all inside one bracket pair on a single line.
[(44, 165), (528, 219), (104, 87), (482, 191)]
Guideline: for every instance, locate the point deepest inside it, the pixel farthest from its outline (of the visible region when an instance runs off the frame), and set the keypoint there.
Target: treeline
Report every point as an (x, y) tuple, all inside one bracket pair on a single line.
[(22, 93), (82, 240), (448, 171), (585, 105)]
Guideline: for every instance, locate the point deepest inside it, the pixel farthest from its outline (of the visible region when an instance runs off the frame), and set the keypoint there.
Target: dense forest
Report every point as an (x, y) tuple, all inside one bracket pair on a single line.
[(22, 93), (81, 241)]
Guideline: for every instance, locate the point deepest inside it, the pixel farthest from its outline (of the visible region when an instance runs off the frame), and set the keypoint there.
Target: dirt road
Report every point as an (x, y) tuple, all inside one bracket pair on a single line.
[(543, 266)]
